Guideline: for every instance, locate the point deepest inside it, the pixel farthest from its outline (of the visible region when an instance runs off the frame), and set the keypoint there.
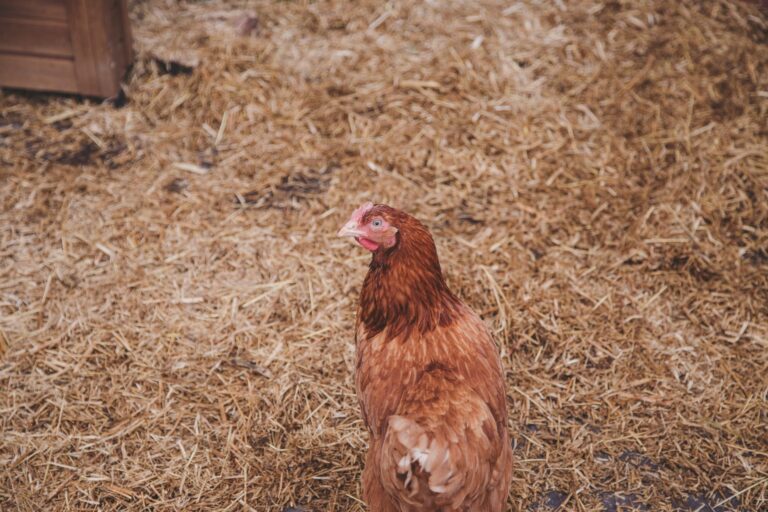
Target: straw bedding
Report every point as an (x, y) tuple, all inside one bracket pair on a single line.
[(176, 312)]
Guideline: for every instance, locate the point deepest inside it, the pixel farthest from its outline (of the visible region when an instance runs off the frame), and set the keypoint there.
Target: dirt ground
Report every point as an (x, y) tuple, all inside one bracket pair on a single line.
[(176, 312)]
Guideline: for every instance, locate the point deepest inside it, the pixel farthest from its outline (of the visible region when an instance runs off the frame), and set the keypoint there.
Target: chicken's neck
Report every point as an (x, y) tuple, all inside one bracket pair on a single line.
[(404, 292)]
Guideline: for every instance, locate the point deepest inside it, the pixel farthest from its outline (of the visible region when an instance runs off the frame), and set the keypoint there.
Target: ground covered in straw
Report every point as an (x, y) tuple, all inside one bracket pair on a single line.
[(176, 312)]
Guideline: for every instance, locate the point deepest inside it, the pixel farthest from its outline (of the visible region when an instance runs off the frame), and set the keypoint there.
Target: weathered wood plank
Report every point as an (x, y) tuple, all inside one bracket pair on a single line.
[(41, 73), (45, 9), (35, 36)]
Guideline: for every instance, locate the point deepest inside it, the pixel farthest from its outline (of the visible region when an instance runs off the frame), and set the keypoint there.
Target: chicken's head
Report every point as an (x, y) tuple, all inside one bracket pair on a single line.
[(371, 226)]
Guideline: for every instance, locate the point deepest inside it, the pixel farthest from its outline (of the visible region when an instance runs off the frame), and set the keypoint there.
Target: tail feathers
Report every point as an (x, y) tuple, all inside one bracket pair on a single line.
[(422, 454), (447, 462)]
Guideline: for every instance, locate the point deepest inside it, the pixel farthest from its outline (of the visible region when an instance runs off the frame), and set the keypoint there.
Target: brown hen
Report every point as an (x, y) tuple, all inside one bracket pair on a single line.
[(428, 377)]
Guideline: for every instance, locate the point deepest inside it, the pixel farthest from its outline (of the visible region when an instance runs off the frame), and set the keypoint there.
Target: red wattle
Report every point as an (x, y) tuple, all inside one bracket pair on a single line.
[(368, 244)]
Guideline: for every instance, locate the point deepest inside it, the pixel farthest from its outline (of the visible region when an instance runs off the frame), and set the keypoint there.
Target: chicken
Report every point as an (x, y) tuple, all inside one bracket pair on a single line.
[(428, 378)]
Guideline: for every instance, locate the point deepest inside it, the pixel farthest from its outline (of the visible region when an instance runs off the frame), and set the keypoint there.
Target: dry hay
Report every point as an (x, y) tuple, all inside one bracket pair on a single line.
[(176, 312)]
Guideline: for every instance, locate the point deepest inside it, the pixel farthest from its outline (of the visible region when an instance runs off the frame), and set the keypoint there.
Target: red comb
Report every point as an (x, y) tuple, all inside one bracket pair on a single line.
[(357, 215)]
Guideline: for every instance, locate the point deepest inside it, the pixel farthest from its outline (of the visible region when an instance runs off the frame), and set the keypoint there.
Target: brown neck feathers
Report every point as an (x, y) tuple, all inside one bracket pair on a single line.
[(404, 290)]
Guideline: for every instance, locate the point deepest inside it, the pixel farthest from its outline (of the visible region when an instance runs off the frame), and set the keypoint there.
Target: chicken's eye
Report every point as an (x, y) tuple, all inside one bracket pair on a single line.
[(376, 223)]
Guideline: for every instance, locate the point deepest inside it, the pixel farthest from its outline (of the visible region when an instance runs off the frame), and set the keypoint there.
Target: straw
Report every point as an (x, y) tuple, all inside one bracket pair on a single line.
[(176, 313)]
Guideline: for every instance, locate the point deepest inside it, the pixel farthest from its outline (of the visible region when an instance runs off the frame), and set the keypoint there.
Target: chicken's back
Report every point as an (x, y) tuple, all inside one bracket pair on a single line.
[(434, 404)]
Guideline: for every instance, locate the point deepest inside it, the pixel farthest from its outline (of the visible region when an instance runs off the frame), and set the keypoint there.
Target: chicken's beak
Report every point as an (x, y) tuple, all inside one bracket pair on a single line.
[(350, 229)]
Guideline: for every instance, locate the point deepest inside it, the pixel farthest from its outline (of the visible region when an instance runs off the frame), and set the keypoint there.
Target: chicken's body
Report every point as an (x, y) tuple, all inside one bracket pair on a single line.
[(429, 381)]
